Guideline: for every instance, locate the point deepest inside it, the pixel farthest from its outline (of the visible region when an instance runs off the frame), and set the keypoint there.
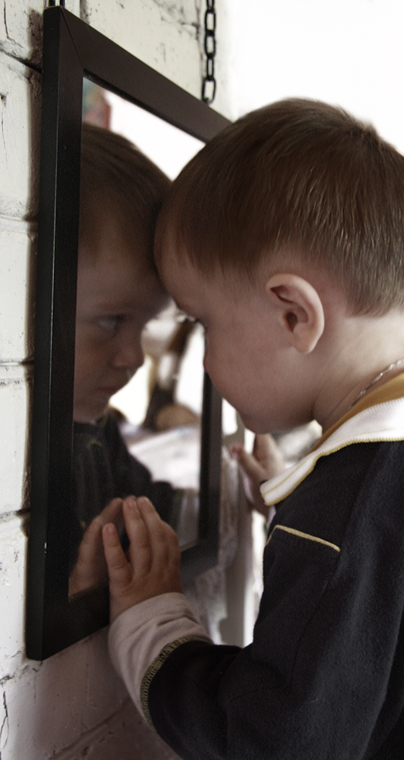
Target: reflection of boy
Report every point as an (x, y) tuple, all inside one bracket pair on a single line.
[(118, 292), (284, 237)]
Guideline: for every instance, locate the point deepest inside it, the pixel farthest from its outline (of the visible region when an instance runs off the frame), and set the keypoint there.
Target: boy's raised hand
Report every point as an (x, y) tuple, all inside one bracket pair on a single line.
[(151, 565), (90, 569), (265, 462)]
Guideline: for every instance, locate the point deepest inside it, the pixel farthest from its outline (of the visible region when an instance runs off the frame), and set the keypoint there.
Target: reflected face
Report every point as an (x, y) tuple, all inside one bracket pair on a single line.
[(245, 352), (117, 295)]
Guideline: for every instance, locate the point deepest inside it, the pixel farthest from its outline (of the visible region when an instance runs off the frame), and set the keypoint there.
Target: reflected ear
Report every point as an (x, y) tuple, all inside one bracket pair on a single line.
[(299, 308)]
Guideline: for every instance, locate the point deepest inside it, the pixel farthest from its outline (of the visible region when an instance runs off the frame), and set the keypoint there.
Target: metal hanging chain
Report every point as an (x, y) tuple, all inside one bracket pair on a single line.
[(209, 81), (52, 3)]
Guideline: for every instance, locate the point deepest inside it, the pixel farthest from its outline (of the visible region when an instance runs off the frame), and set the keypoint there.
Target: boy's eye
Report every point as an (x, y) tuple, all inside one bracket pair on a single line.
[(109, 323)]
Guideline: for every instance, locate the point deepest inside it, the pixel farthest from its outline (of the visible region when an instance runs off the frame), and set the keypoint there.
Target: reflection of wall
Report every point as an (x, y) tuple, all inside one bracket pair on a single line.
[(167, 146), (74, 699)]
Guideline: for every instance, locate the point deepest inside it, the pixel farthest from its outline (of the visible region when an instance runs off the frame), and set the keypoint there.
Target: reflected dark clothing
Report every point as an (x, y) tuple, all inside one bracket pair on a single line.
[(103, 470)]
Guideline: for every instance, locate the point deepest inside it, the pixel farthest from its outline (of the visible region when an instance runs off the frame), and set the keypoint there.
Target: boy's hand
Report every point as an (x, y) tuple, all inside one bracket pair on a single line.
[(152, 564), (263, 463), (90, 569)]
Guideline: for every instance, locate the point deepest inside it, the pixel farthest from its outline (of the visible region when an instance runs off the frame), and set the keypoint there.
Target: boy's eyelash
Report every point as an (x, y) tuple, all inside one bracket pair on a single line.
[(110, 323)]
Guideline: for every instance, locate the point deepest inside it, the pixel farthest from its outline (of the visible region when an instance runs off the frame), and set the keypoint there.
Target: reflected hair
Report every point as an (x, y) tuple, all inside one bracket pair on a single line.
[(298, 181), (118, 184)]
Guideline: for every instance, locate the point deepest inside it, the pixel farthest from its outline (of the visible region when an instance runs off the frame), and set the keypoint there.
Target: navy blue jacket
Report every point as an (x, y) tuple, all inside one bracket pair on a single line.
[(324, 676)]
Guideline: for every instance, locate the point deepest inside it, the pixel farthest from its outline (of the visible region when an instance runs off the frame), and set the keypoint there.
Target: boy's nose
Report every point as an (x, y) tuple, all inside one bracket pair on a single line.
[(129, 354)]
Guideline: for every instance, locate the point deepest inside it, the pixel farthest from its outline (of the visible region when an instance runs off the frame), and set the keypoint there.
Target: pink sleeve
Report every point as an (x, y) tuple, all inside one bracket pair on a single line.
[(139, 634)]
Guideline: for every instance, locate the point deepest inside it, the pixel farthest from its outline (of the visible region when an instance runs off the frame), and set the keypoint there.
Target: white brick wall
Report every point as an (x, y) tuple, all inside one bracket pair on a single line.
[(72, 705), (21, 27), (162, 34), (19, 145)]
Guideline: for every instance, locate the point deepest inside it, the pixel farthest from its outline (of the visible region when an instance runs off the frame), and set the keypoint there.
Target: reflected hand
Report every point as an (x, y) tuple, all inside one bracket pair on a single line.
[(265, 462), (90, 569), (152, 564)]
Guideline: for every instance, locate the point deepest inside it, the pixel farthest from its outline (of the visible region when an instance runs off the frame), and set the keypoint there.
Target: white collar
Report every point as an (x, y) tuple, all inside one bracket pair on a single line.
[(381, 422)]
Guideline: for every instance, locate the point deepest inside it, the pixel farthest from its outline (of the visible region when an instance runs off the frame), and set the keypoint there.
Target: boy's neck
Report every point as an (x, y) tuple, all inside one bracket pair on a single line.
[(365, 353)]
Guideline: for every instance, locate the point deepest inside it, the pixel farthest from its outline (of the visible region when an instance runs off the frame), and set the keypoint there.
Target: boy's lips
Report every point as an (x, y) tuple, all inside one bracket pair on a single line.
[(109, 391)]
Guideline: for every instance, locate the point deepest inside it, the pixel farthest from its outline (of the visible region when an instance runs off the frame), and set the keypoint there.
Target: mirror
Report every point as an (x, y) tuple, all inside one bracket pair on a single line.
[(153, 420), (74, 54)]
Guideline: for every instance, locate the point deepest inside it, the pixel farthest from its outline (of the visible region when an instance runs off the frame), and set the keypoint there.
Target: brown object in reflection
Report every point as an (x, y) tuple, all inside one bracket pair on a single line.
[(174, 415), (163, 412)]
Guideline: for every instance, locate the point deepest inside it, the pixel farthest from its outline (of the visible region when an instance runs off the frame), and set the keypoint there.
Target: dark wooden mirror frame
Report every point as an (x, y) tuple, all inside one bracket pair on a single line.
[(73, 50)]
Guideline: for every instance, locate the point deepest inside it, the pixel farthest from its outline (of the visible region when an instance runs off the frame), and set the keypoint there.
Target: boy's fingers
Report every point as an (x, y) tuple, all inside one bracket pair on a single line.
[(263, 446), (119, 569), (157, 530), (267, 452), (92, 535), (174, 547), (166, 539), (111, 512), (90, 544), (140, 548), (166, 554), (266, 459), (248, 463), (84, 573)]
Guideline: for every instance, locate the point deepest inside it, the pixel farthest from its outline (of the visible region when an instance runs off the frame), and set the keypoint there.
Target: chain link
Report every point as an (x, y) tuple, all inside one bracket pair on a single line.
[(209, 44)]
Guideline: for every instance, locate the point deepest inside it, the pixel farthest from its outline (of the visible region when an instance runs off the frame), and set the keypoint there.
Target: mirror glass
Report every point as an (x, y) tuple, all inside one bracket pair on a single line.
[(146, 437)]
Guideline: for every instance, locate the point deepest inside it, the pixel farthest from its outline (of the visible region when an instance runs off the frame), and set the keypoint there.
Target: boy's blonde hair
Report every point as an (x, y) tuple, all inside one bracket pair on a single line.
[(301, 175), (118, 183)]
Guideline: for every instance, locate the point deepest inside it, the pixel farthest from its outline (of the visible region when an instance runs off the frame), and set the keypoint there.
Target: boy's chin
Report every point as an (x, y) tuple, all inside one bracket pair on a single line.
[(265, 427), (254, 426), (89, 415)]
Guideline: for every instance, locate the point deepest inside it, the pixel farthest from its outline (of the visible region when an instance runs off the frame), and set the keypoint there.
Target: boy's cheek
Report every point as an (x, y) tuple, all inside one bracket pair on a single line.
[(85, 408), (89, 361)]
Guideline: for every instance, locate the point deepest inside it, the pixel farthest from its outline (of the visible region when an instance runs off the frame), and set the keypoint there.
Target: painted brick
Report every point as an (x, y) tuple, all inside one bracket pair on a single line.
[(19, 138), (49, 705), (12, 582), (162, 34), (125, 736), (15, 392), (17, 275), (21, 28), (46, 706)]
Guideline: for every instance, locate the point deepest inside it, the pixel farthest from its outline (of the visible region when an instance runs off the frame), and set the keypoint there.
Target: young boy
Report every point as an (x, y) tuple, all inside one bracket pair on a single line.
[(118, 292), (284, 237)]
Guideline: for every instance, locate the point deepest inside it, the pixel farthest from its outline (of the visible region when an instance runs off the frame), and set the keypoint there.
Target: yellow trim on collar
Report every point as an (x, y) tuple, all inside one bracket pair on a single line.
[(389, 391), (270, 502), (278, 488)]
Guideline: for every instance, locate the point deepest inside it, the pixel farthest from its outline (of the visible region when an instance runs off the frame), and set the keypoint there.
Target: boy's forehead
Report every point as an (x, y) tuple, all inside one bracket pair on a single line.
[(118, 281), (182, 280), (199, 295)]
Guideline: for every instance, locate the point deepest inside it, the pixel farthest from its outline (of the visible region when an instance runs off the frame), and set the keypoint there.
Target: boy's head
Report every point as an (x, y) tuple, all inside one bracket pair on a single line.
[(118, 290), (294, 210), (298, 178)]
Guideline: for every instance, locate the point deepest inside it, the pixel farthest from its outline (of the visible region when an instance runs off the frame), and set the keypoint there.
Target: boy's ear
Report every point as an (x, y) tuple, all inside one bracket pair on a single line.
[(299, 308)]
